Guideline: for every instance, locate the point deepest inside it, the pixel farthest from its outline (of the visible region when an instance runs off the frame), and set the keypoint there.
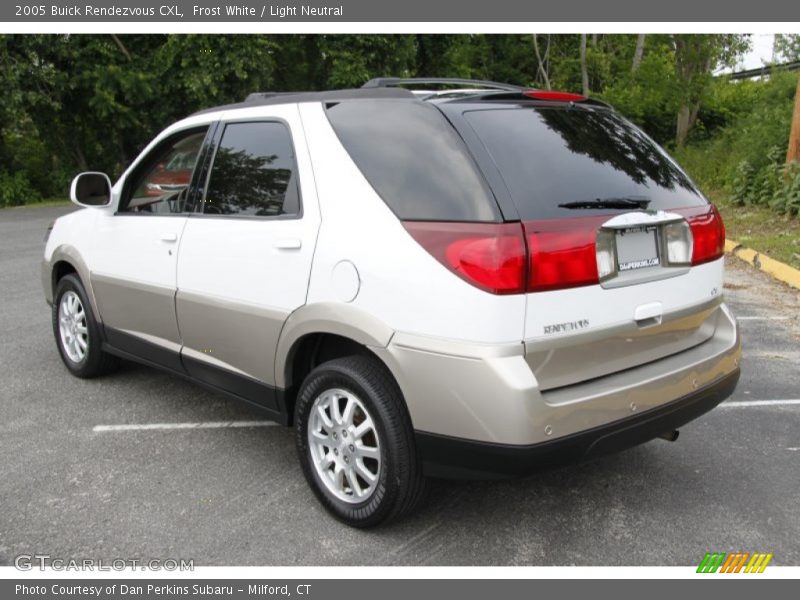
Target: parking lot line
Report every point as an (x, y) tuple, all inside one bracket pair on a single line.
[(755, 318), (749, 403), (170, 426)]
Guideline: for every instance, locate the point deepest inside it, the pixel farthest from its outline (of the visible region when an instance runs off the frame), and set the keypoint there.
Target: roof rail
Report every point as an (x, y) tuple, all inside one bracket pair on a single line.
[(380, 82), (259, 96)]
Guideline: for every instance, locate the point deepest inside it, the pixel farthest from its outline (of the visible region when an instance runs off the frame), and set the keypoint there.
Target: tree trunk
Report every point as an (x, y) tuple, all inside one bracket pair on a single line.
[(638, 53), (793, 153), (542, 70), (121, 46), (687, 116), (584, 71), (80, 157)]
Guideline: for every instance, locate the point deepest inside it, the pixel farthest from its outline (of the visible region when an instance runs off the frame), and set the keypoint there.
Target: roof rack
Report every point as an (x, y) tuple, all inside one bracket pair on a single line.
[(257, 96), (268, 98), (383, 82)]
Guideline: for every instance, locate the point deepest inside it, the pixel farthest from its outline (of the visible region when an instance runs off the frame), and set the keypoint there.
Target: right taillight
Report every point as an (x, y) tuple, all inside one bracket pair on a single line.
[(708, 233)]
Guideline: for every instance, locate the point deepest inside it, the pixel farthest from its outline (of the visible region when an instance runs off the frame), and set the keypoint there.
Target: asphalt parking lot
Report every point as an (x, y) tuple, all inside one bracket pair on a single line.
[(236, 496)]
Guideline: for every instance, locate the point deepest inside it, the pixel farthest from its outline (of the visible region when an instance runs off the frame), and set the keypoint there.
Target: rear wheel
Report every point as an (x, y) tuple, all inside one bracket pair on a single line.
[(77, 333), (355, 442)]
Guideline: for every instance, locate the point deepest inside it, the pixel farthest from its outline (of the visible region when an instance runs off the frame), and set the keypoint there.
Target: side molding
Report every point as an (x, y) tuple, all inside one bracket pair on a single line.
[(345, 320)]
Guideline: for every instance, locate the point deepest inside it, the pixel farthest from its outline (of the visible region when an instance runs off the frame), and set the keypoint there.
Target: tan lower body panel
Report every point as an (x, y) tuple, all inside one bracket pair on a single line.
[(136, 307), (491, 394), (230, 335)]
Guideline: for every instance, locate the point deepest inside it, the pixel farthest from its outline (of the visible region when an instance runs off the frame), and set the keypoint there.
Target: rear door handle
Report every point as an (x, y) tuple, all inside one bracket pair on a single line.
[(288, 244), (169, 237)]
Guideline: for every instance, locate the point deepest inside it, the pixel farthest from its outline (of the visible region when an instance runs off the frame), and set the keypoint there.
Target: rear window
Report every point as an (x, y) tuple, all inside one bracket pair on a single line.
[(414, 160), (553, 156)]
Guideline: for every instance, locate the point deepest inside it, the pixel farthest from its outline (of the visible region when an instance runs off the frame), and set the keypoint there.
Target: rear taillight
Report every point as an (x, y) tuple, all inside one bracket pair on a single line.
[(562, 253), (538, 256), (708, 233), (491, 256)]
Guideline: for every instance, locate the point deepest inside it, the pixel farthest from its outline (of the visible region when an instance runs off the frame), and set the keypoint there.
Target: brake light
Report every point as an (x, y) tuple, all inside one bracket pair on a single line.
[(562, 253), (538, 256), (556, 96), (708, 233), (491, 256)]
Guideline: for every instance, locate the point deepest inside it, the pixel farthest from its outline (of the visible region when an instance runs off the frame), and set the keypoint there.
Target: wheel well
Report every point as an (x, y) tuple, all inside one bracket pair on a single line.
[(60, 270), (310, 351)]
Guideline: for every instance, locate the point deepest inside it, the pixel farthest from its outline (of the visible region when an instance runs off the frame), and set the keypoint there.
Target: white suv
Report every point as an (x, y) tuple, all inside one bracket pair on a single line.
[(474, 282)]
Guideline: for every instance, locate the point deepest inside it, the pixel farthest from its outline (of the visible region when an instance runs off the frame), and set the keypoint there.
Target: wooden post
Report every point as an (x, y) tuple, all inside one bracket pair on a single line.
[(793, 153)]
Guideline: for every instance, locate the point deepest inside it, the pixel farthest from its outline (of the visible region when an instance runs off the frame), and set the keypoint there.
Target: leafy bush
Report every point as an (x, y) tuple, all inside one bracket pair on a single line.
[(746, 156), (786, 197), (16, 190)]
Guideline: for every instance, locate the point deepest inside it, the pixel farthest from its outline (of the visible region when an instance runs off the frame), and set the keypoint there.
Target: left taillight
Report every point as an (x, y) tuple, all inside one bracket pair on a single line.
[(490, 256)]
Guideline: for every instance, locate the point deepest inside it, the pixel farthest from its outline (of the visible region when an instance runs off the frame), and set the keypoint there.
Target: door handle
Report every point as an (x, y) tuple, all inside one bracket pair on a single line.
[(169, 237), (288, 244)]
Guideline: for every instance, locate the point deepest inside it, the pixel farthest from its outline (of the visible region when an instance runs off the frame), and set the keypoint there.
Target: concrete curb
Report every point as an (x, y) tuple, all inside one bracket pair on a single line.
[(762, 262)]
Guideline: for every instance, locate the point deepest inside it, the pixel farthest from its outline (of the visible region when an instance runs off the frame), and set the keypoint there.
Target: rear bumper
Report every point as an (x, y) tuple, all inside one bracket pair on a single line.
[(445, 456), (485, 403)]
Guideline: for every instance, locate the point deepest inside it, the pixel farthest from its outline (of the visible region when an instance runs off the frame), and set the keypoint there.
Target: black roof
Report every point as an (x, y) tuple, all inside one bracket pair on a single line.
[(390, 88), (272, 98)]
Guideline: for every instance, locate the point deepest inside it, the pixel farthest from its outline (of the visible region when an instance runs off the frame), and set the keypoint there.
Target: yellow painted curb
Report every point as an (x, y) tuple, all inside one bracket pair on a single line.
[(762, 262)]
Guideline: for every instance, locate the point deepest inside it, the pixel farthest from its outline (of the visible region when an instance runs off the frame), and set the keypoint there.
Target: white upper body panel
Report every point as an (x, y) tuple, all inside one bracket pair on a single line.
[(400, 283)]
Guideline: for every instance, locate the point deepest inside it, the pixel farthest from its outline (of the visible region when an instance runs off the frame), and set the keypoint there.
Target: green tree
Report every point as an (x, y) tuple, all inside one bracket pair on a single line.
[(697, 56), (786, 47)]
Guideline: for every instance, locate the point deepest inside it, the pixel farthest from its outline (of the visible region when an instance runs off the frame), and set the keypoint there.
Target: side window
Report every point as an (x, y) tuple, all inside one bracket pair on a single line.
[(160, 184), (254, 172)]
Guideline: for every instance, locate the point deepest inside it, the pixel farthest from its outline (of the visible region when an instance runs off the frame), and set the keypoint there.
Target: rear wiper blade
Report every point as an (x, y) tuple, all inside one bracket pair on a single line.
[(626, 202)]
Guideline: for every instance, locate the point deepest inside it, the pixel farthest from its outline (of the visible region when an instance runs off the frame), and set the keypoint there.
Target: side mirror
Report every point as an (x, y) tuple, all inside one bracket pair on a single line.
[(91, 189)]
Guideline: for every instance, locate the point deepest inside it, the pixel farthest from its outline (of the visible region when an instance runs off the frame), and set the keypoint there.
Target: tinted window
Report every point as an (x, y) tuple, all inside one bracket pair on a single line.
[(253, 172), (555, 156), (160, 183), (414, 159)]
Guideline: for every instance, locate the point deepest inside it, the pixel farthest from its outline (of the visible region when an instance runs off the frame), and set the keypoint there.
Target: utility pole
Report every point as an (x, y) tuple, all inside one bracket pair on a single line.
[(793, 153)]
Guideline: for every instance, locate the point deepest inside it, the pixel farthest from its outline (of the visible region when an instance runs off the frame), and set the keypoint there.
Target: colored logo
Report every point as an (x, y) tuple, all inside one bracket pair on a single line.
[(734, 562)]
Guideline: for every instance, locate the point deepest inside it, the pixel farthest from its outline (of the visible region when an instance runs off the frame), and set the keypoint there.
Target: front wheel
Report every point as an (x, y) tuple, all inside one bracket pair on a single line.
[(76, 331), (355, 442)]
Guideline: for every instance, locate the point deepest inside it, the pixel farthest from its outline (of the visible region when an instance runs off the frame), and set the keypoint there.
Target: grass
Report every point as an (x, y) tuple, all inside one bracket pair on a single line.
[(58, 201), (762, 229)]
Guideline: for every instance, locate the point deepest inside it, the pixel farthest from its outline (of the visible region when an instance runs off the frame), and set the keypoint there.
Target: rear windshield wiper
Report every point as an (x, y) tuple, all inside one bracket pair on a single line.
[(626, 202)]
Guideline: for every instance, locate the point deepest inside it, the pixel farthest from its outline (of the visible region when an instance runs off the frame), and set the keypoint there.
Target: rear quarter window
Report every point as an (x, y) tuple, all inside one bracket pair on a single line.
[(414, 160), (553, 156)]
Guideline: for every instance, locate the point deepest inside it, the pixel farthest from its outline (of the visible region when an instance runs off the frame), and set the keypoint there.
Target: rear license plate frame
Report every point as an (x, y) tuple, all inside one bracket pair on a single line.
[(637, 248)]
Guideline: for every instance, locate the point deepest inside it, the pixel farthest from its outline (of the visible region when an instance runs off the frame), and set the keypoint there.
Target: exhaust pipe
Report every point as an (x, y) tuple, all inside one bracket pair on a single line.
[(670, 436)]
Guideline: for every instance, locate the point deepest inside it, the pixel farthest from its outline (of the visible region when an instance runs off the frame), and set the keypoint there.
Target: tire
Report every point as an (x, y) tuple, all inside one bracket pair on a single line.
[(80, 342), (379, 410)]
